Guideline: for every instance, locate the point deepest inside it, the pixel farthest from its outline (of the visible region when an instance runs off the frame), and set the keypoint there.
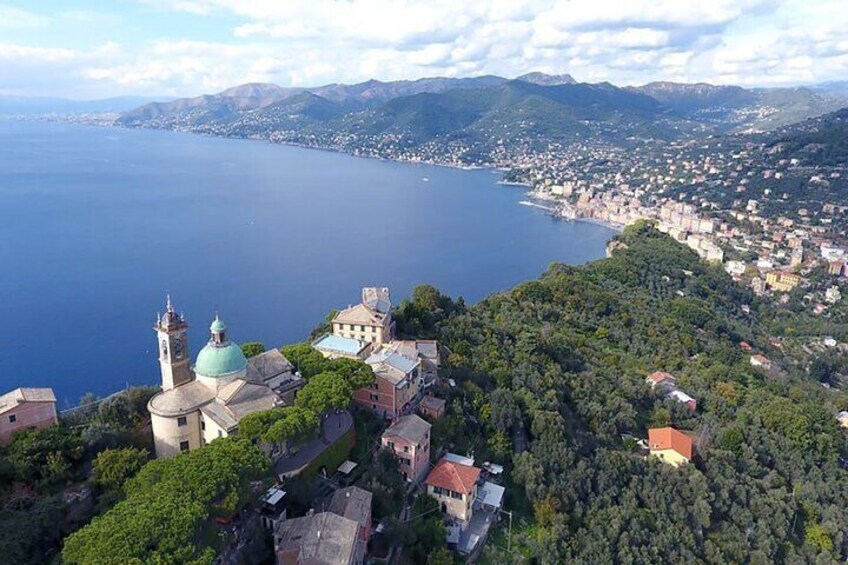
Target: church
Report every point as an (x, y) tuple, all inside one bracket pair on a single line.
[(200, 403)]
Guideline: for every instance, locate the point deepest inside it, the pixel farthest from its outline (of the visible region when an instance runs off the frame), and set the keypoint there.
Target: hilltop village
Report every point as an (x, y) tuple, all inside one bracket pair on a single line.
[(433, 432)]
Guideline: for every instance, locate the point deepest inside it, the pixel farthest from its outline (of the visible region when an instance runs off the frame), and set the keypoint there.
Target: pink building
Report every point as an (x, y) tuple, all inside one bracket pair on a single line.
[(26, 408), (409, 439), (396, 384)]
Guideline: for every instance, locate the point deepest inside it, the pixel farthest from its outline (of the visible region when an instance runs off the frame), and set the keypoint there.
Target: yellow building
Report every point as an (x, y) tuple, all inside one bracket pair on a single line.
[(367, 322), (454, 486), (782, 281)]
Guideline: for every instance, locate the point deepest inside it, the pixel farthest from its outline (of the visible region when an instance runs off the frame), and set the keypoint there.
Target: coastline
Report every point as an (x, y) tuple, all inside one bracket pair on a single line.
[(529, 192)]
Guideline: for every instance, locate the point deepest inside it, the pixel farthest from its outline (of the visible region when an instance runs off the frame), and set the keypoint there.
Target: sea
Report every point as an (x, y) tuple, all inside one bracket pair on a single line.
[(98, 224)]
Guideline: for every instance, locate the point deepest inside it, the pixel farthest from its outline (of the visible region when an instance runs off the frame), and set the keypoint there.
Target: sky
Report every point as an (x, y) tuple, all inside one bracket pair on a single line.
[(96, 49)]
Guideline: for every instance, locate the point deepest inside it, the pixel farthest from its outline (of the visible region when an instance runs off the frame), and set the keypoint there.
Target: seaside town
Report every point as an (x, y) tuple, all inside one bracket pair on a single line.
[(727, 206)]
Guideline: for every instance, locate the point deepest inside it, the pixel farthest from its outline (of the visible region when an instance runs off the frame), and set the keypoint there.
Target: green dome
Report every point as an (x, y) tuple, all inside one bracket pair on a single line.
[(219, 360), (218, 325)]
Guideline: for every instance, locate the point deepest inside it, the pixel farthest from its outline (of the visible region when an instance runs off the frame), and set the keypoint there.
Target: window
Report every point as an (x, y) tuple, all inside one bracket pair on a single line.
[(183, 446), (203, 425), (406, 449), (375, 397), (13, 418), (391, 445), (220, 433), (455, 494), (182, 421)]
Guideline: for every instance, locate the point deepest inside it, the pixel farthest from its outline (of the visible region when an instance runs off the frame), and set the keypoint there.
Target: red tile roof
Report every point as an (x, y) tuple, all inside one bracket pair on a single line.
[(669, 438), (659, 376), (453, 476)]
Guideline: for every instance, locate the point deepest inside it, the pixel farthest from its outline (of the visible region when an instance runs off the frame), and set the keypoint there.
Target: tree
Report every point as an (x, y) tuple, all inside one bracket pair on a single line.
[(324, 392), (252, 348), (426, 528), (358, 374), (113, 467), (44, 456), (306, 359), (441, 556), (168, 503), (278, 426)]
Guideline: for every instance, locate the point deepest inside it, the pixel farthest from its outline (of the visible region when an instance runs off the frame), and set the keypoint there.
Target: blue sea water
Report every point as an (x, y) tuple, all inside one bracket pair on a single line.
[(98, 224)]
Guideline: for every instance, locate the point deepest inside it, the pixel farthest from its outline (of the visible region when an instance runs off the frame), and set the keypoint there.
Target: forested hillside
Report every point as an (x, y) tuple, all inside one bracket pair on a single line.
[(551, 382)]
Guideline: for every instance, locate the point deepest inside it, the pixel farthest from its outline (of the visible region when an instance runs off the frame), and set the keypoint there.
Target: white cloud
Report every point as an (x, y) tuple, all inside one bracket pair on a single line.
[(320, 41)]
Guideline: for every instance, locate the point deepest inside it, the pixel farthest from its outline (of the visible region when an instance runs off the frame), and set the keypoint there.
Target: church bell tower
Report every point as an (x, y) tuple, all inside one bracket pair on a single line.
[(172, 336)]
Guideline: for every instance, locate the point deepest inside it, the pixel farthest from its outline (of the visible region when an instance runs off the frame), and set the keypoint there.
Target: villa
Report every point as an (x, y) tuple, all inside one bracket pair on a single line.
[(369, 321)]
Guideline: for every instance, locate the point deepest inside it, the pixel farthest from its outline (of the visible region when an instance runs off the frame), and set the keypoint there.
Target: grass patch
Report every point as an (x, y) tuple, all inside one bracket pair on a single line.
[(333, 456)]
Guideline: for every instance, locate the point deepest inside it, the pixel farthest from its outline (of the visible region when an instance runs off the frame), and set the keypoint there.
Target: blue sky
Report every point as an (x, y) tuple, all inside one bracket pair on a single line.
[(88, 49)]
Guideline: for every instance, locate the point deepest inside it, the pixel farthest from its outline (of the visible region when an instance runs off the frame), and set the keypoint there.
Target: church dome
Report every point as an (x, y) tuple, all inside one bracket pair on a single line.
[(220, 357), (218, 325)]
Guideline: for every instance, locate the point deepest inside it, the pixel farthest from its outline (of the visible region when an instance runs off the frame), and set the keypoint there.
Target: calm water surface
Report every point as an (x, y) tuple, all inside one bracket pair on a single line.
[(97, 224)]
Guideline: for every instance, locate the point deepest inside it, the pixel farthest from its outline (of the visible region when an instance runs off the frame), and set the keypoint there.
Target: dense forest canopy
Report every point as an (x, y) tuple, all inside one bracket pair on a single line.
[(551, 381)]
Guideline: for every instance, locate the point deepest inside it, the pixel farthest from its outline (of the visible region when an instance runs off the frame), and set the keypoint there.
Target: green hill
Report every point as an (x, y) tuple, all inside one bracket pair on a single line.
[(551, 382)]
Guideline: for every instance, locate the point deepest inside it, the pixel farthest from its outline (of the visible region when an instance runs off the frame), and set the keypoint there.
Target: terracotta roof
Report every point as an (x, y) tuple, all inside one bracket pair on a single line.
[(453, 476), (660, 376), (669, 438)]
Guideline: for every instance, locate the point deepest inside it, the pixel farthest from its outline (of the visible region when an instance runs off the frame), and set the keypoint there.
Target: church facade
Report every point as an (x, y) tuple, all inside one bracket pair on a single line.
[(200, 403)]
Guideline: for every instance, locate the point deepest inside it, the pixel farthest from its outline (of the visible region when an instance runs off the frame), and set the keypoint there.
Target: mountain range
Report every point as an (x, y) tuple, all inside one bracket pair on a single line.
[(486, 110)]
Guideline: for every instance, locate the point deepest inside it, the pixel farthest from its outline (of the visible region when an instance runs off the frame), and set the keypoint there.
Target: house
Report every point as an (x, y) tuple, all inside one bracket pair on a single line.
[(669, 445), (324, 538), (432, 407), (782, 281), (396, 383), (426, 351), (354, 504), (409, 439), (745, 346), (25, 408), (272, 508), (333, 347), (369, 321), (683, 398), (760, 361), (490, 497), (274, 370), (661, 378), (843, 419), (454, 486)]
